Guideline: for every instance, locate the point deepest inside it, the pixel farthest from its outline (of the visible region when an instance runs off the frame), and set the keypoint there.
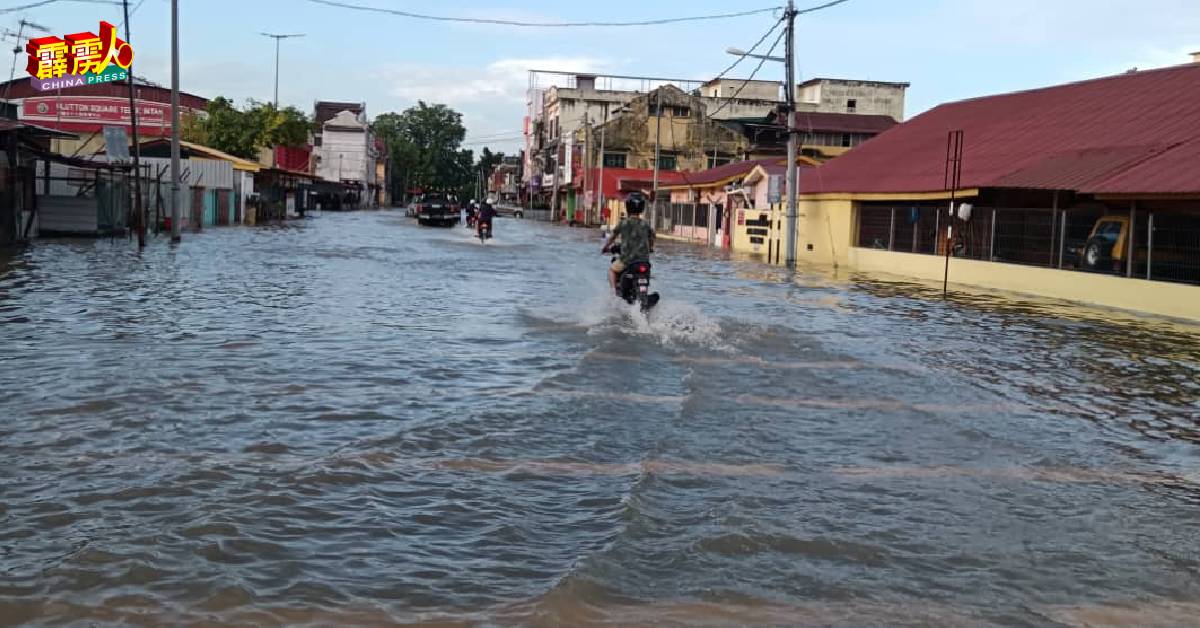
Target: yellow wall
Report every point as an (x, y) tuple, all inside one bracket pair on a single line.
[(829, 225), (826, 226), (1154, 297), (739, 238)]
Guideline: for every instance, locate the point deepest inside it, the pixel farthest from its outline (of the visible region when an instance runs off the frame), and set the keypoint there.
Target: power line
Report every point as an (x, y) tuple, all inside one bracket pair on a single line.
[(741, 87), (498, 22), (742, 57), (42, 3), (820, 7)]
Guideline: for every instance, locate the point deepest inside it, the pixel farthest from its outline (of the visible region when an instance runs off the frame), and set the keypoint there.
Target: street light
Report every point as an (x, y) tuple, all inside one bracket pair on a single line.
[(277, 38), (738, 52), (793, 147)]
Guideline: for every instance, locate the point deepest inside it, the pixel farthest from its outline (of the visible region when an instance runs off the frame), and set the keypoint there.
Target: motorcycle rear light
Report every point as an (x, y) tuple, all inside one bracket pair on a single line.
[(643, 268)]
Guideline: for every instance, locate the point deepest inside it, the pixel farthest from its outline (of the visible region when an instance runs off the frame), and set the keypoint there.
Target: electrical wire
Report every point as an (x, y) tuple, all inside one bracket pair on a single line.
[(499, 22), (42, 3), (820, 7), (741, 87), (742, 57), (131, 12)]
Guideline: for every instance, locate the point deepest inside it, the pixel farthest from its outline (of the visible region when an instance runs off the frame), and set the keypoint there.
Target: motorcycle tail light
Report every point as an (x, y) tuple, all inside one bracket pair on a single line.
[(642, 268)]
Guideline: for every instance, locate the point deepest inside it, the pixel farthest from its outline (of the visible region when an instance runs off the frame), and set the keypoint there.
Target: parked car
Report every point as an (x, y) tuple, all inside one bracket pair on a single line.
[(437, 210), (1105, 245), (1107, 250)]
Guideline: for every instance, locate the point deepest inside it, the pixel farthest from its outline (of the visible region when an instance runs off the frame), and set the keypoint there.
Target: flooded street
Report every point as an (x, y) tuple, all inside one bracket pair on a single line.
[(352, 420)]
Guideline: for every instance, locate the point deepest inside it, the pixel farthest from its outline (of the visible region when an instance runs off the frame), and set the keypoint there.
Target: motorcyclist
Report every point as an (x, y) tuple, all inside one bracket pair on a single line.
[(636, 236), (487, 212)]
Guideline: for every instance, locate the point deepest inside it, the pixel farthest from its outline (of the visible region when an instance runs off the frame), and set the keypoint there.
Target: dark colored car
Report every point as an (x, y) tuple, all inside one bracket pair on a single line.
[(437, 210)]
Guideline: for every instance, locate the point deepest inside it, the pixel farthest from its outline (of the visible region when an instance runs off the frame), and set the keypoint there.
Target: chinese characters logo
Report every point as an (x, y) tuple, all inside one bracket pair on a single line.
[(80, 59)]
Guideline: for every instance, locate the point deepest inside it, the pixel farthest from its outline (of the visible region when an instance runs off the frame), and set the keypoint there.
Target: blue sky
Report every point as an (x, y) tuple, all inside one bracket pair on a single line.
[(947, 49)]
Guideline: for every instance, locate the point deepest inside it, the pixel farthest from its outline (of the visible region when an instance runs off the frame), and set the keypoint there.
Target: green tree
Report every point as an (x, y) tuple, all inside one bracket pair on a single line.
[(424, 143), (242, 132)]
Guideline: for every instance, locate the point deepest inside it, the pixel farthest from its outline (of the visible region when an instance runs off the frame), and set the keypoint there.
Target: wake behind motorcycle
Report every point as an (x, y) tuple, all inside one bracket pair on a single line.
[(633, 286)]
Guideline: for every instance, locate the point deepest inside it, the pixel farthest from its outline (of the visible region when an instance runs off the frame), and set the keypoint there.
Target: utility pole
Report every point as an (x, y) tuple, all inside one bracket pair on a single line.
[(137, 148), (176, 192), (12, 73), (277, 38), (587, 166), (657, 158), (600, 179), (793, 171)]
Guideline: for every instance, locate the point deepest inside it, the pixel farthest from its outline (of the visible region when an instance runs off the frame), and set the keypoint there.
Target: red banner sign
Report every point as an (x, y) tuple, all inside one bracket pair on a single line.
[(98, 110)]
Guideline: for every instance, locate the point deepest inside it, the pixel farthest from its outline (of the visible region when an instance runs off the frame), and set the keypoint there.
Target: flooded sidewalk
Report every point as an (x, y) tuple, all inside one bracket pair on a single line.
[(354, 420)]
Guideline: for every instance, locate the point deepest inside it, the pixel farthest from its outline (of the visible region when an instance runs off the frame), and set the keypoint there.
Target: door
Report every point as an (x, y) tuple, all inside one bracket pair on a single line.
[(223, 207), (197, 208)]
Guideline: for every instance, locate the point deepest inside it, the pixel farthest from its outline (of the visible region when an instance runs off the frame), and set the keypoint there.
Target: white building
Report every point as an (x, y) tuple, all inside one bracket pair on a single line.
[(345, 151)]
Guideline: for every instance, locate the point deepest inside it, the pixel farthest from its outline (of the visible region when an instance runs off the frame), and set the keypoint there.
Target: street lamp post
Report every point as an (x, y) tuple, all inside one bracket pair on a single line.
[(793, 171), (176, 191), (277, 39)]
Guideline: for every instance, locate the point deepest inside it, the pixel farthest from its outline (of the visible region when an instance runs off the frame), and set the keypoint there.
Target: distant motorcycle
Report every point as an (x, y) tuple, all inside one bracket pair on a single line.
[(484, 231), (633, 286), (472, 214)]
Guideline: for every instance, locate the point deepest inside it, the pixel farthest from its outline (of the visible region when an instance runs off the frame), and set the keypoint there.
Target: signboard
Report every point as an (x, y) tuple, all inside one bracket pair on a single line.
[(570, 154), (775, 189), (116, 143), (95, 110)]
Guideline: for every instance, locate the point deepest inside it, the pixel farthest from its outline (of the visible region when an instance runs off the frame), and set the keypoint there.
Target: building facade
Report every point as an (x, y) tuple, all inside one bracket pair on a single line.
[(1095, 176), (345, 149), (86, 110), (828, 95), (746, 89)]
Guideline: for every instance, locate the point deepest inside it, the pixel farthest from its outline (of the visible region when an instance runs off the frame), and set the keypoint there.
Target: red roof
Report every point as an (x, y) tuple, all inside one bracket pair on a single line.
[(1131, 133), (704, 178), (843, 122)]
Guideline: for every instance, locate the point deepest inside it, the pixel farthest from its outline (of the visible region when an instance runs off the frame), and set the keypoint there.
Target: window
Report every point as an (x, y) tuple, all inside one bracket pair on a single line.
[(1109, 230), (614, 160), (846, 140), (677, 111), (852, 105), (719, 161), (666, 162)]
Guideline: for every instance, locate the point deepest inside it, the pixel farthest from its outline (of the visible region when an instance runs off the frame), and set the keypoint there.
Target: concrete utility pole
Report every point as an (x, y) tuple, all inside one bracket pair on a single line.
[(137, 147), (793, 171), (657, 158), (176, 192), (600, 178)]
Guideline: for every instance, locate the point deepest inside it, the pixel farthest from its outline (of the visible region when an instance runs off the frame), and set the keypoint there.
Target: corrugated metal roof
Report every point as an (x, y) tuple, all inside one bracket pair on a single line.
[(8, 124), (843, 122), (1132, 133), (706, 178)]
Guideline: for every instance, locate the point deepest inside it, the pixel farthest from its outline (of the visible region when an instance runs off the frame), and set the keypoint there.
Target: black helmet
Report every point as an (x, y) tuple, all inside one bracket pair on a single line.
[(635, 203)]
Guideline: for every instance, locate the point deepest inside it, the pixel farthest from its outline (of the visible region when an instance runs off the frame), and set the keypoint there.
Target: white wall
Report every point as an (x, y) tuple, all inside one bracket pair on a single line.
[(347, 147)]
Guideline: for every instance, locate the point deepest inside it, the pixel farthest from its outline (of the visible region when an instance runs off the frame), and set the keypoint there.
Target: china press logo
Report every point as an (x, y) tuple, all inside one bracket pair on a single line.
[(79, 59)]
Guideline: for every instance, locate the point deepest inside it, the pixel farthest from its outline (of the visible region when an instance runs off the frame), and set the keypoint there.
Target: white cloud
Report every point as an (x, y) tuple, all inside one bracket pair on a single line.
[(503, 80), (491, 98)]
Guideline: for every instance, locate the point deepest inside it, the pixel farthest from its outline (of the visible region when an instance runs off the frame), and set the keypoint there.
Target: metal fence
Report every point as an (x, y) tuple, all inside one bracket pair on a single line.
[(688, 221), (1159, 244)]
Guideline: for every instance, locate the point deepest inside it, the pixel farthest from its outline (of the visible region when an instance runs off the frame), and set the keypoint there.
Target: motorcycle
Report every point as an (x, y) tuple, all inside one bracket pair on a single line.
[(484, 231), (472, 214), (633, 286)]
